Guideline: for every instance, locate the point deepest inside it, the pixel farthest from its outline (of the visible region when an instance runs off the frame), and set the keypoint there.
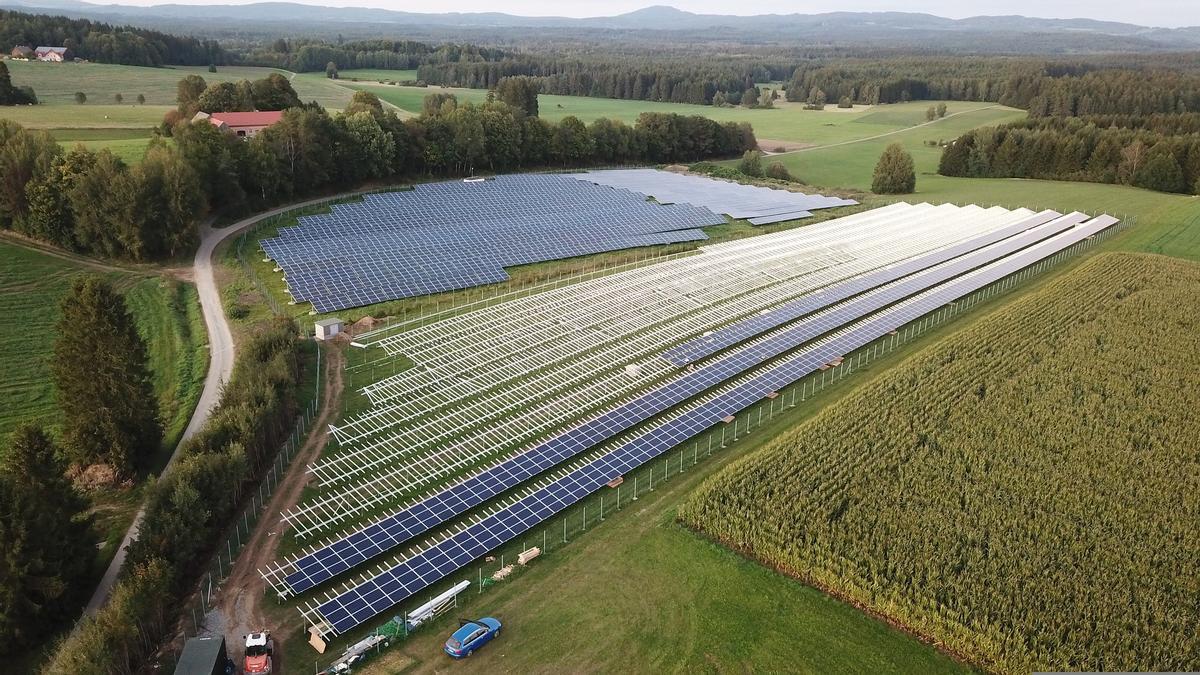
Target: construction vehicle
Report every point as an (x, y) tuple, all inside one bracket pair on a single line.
[(260, 650)]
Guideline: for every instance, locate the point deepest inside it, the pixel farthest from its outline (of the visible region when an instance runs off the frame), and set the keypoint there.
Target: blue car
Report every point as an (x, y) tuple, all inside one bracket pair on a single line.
[(471, 636)]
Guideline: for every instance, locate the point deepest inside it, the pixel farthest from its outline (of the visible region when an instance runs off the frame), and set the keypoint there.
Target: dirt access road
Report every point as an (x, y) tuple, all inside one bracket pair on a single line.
[(240, 597)]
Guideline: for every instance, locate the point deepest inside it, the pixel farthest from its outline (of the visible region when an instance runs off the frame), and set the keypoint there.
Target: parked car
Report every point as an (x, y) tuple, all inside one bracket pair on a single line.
[(471, 636)]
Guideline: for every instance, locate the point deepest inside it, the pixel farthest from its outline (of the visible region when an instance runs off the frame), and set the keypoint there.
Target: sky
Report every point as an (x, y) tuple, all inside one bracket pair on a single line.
[(1168, 13)]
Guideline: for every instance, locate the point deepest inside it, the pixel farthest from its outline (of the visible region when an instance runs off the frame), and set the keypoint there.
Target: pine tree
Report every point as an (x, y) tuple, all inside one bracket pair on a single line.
[(894, 174), (47, 549), (110, 413)]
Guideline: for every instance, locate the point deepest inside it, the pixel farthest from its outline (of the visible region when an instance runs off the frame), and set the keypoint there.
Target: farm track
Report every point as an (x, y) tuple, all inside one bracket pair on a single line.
[(240, 597)]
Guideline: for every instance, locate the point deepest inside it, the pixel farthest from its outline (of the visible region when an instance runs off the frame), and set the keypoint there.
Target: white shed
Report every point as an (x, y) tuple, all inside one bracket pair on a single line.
[(327, 329)]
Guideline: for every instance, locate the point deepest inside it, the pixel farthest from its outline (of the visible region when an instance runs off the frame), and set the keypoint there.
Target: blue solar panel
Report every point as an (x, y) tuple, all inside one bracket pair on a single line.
[(711, 343), (454, 235), (347, 552), (383, 591)]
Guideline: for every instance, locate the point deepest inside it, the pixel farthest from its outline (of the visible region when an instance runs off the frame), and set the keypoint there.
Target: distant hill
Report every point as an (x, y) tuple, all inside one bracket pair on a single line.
[(902, 28)]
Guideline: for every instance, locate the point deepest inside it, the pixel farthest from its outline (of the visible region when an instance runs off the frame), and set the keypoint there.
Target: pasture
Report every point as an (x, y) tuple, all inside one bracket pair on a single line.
[(56, 83), (377, 74), (791, 123), (992, 468)]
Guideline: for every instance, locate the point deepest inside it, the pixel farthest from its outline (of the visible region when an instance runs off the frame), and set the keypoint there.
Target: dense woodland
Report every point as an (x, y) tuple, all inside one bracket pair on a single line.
[(307, 56), (1158, 152), (106, 43), (615, 76)]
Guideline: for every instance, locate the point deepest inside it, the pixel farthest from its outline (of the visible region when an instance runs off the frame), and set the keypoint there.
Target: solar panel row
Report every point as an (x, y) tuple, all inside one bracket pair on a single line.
[(740, 331), (454, 235), (343, 554), (760, 205), (394, 585)]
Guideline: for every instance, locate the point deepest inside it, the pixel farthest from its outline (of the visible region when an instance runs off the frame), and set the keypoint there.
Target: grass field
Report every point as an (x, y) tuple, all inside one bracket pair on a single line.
[(167, 312), (791, 123), (56, 83), (998, 466), (373, 74)]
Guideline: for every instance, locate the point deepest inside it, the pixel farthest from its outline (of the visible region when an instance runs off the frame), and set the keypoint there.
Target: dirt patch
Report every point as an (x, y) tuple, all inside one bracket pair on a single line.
[(241, 596), (772, 147), (363, 325), (187, 274)]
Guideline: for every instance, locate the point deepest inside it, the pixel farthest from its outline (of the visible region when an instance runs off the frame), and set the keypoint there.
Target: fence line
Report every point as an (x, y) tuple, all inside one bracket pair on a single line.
[(241, 530)]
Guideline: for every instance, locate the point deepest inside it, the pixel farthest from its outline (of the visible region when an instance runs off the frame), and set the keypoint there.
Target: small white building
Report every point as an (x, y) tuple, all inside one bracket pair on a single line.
[(327, 329)]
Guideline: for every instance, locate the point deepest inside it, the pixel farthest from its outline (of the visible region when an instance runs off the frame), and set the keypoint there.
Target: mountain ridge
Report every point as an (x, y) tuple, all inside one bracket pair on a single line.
[(650, 18)]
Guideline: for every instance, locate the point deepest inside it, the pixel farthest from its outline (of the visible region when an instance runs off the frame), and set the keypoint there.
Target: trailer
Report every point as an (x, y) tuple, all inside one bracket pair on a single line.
[(204, 656)]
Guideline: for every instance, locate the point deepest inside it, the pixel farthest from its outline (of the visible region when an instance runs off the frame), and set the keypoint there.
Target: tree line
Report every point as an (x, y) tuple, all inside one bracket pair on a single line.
[(308, 56), (1045, 88), (1157, 152), (695, 81), (92, 202), (106, 43), (188, 508)]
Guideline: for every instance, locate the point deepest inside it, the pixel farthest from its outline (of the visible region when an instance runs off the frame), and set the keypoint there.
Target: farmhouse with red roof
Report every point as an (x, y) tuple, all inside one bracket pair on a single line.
[(243, 124)]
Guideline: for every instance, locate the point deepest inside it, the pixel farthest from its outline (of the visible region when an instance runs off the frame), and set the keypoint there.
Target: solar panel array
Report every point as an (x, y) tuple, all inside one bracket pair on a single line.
[(453, 235), (343, 554), (490, 381), (846, 325), (740, 331), (759, 205)]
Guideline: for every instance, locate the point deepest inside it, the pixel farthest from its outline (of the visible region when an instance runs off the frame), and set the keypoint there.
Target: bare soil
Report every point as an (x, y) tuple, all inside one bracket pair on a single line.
[(771, 147), (241, 596)]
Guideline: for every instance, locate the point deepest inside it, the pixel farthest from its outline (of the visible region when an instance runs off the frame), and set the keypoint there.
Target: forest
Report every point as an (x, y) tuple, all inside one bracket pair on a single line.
[(105, 43), (1001, 492), (1157, 152)]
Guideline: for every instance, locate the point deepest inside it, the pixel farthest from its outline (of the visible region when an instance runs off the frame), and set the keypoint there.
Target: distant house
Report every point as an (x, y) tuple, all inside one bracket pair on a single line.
[(22, 52), (55, 54), (243, 124)]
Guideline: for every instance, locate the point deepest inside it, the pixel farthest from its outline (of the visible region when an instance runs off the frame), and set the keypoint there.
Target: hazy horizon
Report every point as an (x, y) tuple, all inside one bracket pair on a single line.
[(1158, 13)]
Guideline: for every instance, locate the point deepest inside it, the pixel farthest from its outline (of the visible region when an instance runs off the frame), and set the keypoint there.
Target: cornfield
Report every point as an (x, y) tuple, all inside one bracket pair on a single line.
[(1024, 492)]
